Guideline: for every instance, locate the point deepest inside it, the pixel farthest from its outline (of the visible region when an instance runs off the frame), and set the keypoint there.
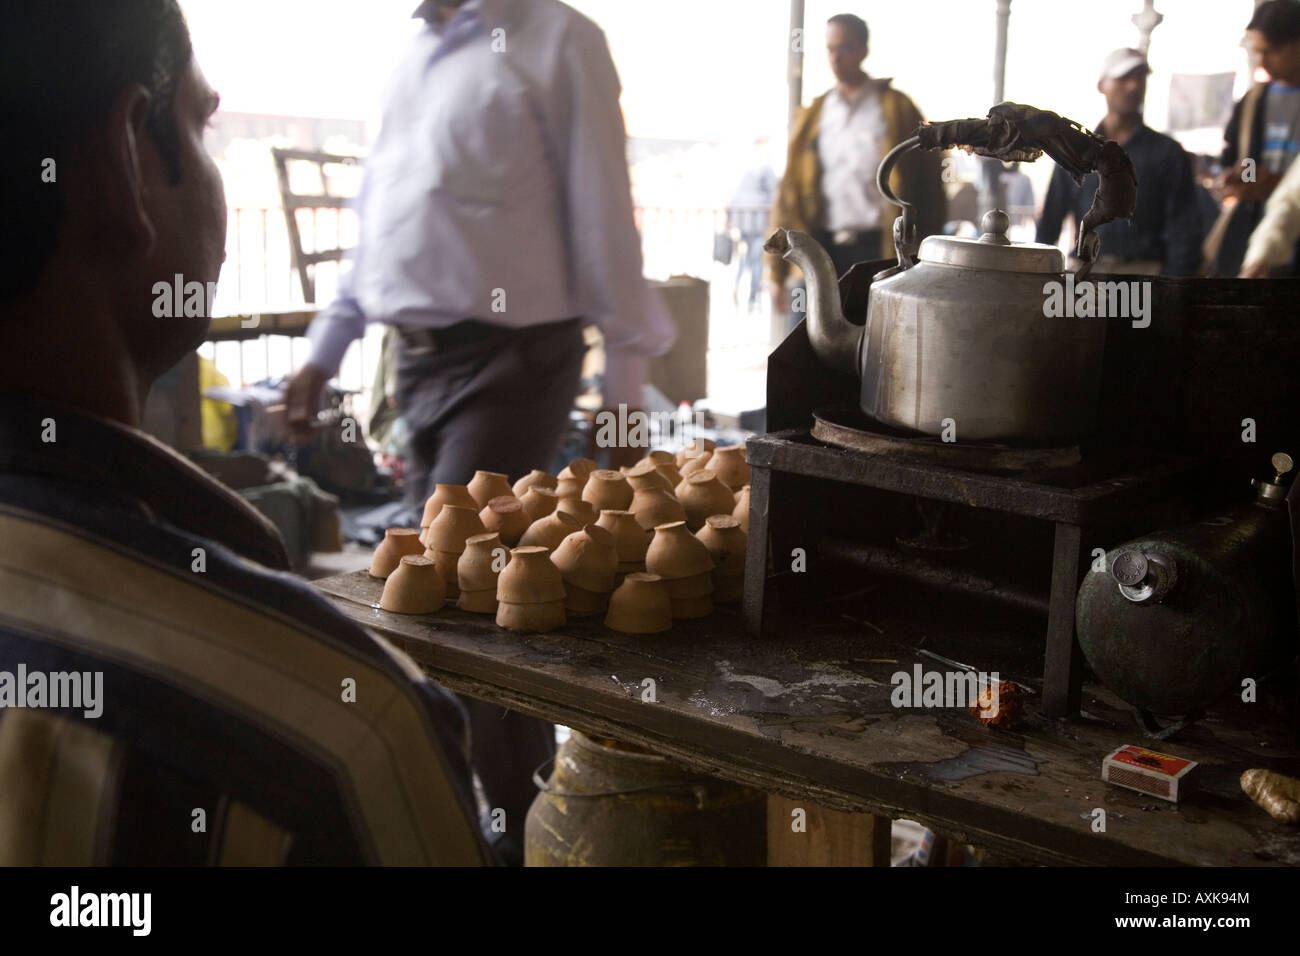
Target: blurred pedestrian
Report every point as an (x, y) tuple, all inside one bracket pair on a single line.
[(829, 187), (1262, 139), (1164, 235)]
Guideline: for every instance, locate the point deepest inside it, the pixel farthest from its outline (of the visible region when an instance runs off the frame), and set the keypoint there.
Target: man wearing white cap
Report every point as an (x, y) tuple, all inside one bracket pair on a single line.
[(1164, 235)]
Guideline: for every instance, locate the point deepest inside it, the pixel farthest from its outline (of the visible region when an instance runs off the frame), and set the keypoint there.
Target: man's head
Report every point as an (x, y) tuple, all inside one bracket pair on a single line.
[(104, 180), (846, 45), (1273, 35), (1124, 82)]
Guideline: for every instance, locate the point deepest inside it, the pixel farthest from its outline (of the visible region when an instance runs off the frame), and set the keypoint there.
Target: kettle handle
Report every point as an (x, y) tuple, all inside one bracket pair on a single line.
[(905, 225), (905, 243)]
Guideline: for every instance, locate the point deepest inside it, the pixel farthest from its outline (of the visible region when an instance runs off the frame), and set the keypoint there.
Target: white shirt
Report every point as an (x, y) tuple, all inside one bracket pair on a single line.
[(498, 190), (850, 146)]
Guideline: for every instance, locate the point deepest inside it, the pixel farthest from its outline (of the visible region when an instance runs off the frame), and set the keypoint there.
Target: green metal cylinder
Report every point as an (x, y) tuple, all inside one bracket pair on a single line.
[(606, 805)]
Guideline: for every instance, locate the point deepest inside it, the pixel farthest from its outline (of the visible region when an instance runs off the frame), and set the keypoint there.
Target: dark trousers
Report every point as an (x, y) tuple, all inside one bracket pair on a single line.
[(485, 397)]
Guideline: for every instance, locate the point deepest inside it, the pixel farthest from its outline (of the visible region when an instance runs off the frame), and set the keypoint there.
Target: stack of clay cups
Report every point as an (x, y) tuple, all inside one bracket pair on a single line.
[(652, 503), (477, 571), (446, 539), (397, 543), (646, 474), (505, 514), (548, 532), (444, 495), (486, 485), (641, 605), (703, 494), (587, 561), (630, 541), (415, 587), (684, 564), (727, 545), (530, 592)]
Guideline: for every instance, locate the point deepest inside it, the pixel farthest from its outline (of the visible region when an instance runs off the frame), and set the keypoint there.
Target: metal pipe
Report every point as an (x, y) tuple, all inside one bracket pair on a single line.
[(893, 563)]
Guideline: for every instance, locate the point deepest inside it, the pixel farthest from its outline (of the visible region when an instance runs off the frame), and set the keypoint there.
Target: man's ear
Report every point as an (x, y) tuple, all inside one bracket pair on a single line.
[(1101, 87), (122, 187)]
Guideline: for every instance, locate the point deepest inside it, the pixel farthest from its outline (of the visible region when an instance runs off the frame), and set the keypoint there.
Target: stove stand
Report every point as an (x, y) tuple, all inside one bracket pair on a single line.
[(1074, 510)]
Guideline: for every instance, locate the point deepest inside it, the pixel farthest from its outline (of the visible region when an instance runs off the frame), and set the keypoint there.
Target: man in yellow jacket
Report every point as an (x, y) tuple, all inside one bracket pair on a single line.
[(829, 187)]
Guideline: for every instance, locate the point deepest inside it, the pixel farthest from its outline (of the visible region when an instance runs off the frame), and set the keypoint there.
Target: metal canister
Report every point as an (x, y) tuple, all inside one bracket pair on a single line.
[(1178, 618), (607, 804)]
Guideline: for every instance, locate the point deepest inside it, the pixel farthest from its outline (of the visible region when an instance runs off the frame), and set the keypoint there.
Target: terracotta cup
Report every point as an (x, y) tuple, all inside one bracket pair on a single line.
[(703, 494), (729, 464), (741, 511), (477, 570), (630, 539), (538, 502), (548, 532), (692, 465), (578, 469), (647, 475), (587, 561), (530, 577), (397, 542), (535, 477), (415, 587), (654, 506), (659, 457), (640, 605), (727, 544), (445, 540), (676, 553), (671, 475), (446, 495), (486, 485), (534, 618), (694, 450), (584, 511), (607, 489), (505, 514)]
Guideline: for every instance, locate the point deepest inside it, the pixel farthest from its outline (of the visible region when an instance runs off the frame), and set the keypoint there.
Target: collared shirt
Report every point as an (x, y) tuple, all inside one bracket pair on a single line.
[(241, 718), (850, 146), (1166, 226), (498, 190)]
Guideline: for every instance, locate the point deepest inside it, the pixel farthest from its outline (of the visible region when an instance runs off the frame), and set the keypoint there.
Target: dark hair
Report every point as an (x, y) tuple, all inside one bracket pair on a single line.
[(62, 65), (854, 24), (1278, 20)]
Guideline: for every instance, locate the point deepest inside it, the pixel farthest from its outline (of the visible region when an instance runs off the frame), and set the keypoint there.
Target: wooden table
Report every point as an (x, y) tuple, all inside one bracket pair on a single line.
[(806, 716)]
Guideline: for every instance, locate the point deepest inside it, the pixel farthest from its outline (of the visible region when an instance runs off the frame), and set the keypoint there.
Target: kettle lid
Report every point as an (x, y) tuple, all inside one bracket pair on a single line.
[(993, 250)]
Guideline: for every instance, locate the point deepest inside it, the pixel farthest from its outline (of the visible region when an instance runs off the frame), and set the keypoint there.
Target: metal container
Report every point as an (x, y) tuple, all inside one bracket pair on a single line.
[(606, 805), (960, 342), (977, 340), (1177, 619)]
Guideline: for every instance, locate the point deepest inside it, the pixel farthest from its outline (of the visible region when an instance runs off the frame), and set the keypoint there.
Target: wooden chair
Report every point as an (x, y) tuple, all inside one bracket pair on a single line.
[(304, 262)]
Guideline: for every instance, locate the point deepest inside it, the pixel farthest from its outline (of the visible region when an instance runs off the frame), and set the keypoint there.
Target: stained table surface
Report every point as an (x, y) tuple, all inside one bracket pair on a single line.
[(806, 712)]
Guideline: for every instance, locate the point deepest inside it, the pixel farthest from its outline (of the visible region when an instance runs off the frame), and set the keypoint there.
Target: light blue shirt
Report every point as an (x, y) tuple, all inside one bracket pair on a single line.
[(498, 190)]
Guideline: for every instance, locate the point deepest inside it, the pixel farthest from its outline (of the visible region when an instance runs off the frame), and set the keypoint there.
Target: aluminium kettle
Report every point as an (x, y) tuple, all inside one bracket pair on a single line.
[(959, 341)]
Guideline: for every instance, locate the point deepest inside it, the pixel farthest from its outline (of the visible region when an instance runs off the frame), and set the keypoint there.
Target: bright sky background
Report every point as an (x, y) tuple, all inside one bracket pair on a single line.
[(715, 69)]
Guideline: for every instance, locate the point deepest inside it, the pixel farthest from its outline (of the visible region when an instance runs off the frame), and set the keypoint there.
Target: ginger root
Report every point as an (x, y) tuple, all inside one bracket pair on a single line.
[(1277, 794)]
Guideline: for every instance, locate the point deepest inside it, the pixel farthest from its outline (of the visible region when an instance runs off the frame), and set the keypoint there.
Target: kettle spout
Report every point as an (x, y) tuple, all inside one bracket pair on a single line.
[(834, 338)]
